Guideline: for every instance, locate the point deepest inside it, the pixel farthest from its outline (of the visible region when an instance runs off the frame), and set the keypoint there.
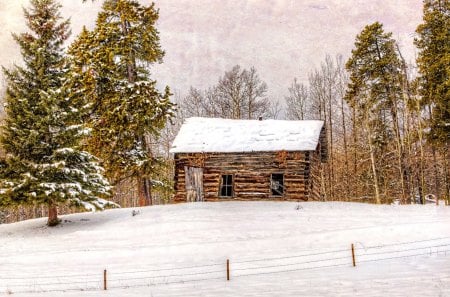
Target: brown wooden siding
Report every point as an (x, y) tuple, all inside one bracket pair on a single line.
[(315, 178), (252, 173)]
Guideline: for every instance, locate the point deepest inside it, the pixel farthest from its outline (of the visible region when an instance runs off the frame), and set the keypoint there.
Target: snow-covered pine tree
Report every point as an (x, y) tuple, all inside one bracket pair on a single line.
[(127, 109), (44, 163)]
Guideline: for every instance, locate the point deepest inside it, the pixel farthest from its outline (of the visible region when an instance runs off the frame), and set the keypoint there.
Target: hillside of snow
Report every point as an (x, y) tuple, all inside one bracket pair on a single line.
[(274, 249)]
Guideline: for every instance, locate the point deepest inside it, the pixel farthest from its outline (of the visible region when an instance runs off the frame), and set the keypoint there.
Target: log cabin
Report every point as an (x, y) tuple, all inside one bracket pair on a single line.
[(224, 159)]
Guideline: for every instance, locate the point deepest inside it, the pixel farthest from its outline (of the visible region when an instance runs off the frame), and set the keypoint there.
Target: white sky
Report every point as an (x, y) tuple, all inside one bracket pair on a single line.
[(282, 39)]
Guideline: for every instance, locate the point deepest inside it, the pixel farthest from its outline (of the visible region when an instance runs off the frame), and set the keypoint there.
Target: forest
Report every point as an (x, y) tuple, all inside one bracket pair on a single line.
[(87, 127)]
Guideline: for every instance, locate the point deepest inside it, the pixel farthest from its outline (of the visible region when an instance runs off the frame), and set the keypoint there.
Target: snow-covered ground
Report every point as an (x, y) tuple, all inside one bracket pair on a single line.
[(274, 248)]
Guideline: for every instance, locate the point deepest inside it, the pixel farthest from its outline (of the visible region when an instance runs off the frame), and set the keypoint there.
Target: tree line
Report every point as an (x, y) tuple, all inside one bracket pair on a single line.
[(87, 125), (387, 122)]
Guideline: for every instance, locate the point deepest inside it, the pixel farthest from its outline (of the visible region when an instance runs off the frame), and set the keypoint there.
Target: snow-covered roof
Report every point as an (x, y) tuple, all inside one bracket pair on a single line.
[(226, 136)]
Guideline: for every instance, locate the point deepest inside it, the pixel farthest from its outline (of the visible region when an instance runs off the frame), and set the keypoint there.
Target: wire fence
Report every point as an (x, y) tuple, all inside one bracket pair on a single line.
[(165, 274)]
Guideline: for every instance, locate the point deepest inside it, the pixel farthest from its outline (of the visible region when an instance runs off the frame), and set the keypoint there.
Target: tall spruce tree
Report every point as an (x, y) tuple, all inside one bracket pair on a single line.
[(44, 163), (127, 109), (373, 91), (433, 42)]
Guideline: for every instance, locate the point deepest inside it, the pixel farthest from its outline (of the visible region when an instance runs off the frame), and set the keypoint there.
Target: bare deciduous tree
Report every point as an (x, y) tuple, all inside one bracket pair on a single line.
[(296, 101), (239, 94)]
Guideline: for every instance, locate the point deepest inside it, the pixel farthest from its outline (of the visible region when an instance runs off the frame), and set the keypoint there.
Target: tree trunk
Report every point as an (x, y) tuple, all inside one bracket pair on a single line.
[(446, 174), (372, 160), (355, 192), (53, 215), (144, 194), (407, 128), (331, 145), (422, 184), (437, 185), (145, 197), (144, 182), (399, 151), (346, 162), (375, 174)]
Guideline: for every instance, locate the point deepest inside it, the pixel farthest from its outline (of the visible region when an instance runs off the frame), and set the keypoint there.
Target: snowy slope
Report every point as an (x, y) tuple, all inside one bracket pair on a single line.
[(275, 249)]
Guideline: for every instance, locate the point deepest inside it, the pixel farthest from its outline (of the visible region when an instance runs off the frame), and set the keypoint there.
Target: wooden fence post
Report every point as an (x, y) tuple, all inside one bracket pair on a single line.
[(228, 269), (353, 255), (104, 280)]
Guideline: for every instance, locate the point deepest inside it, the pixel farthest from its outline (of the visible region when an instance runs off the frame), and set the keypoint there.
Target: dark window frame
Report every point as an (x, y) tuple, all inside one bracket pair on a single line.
[(228, 179), (279, 191)]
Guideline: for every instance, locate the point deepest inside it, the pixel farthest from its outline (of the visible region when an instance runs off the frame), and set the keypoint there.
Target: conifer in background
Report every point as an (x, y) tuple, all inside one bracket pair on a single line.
[(128, 111), (433, 60), (433, 42), (44, 164), (373, 92)]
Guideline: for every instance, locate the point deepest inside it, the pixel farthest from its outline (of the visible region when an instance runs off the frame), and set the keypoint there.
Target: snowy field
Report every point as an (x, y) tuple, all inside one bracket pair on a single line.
[(274, 248)]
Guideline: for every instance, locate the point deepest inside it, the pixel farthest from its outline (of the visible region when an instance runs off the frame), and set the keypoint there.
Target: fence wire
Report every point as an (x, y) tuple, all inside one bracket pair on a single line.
[(196, 273)]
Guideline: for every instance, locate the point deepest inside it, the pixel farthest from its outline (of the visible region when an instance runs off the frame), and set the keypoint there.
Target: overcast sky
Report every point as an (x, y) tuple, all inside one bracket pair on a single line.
[(282, 39)]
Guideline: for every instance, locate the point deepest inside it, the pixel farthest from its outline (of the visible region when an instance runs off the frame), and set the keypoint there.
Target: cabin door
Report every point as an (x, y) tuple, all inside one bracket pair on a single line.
[(194, 184)]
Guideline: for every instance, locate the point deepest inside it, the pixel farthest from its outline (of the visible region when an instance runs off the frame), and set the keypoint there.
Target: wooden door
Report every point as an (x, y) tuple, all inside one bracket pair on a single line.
[(194, 184)]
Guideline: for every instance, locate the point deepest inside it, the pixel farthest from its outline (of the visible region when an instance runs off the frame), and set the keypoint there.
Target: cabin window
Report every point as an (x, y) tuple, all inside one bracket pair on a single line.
[(277, 184), (226, 185)]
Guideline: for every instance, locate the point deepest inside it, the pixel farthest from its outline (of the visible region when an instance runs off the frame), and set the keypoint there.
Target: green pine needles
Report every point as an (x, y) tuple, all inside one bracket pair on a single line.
[(433, 42), (45, 163), (113, 63), (374, 93)]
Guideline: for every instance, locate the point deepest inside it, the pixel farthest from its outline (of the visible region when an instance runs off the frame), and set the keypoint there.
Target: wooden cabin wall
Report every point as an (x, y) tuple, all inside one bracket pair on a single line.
[(316, 171), (323, 145), (251, 173)]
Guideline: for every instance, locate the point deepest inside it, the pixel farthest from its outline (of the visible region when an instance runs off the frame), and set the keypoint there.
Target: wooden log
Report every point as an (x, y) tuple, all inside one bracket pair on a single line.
[(252, 194), (105, 287), (251, 171)]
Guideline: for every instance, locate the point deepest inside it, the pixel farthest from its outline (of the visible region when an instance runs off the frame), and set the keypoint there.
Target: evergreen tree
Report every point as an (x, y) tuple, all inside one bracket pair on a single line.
[(373, 92), (44, 163), (433, 61), (433, 42), (127, 110)]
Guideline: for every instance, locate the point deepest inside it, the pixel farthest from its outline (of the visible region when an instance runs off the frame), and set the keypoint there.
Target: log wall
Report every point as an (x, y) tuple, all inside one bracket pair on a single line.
[(252, 173)]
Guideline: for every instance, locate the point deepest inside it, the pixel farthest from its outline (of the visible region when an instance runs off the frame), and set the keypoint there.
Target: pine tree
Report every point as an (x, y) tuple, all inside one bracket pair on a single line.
[(373, 92), (44, 163), (127, 109), (433, 42), (433, 61)]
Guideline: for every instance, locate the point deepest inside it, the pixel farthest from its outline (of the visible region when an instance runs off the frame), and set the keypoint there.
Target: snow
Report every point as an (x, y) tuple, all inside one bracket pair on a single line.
[(225, 135), (95, 205), (274, 248)]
